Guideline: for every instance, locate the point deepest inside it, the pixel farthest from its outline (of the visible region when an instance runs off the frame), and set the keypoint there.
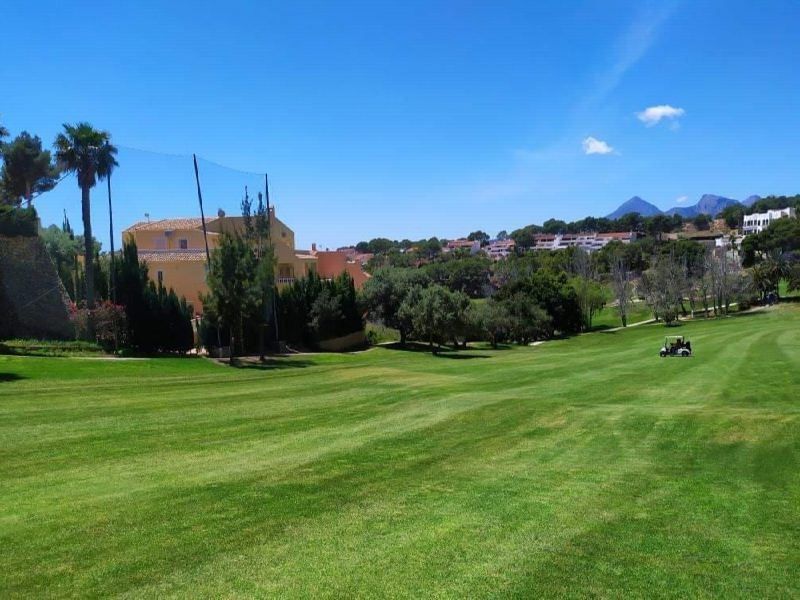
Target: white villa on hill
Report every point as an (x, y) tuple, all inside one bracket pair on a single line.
[(758, 222)]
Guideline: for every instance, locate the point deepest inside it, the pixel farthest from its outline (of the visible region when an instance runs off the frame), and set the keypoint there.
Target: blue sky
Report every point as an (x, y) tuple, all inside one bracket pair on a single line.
[(413, 119)]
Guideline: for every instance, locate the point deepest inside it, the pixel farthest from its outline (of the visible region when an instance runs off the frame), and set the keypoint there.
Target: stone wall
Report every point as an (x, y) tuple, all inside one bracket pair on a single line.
[(33, 301)]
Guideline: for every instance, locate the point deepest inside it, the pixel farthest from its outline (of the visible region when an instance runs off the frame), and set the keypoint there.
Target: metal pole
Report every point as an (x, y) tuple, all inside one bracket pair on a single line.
[(111, 239), (202, 214), (269, 237)]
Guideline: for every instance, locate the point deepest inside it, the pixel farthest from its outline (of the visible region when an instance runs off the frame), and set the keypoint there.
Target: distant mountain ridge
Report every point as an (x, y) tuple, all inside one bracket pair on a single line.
[(709, 204), (635, 205)]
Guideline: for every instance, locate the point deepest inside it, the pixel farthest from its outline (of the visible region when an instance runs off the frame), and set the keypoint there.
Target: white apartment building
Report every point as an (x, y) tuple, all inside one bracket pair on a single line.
[(758, 222), (499, 249), (588, 241)]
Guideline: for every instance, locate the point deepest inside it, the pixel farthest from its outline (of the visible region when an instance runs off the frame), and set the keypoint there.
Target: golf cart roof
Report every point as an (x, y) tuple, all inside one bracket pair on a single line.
[(674, 337)]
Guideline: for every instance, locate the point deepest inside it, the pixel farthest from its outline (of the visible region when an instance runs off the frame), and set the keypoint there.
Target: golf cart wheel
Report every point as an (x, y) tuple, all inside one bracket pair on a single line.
[(662, 354)]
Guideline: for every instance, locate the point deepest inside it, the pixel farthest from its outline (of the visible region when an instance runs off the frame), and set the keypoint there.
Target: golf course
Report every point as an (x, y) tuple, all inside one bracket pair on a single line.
[(583, 467)]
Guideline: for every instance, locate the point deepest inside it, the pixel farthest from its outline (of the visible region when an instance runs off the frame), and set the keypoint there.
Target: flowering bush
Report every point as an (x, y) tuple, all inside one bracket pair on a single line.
[(108, 320)]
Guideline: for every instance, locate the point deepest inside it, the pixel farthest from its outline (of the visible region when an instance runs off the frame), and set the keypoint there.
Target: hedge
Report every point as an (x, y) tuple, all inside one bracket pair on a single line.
[(18, 221)]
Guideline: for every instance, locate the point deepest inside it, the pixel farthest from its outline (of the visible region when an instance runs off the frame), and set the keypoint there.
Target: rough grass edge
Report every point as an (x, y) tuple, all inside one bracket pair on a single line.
[(19, 347)]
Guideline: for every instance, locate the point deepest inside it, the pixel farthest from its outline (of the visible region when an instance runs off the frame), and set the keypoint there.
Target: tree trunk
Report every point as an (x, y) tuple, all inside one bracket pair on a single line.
[(402, 337), (75, 280), (88, 247), (113, 282)]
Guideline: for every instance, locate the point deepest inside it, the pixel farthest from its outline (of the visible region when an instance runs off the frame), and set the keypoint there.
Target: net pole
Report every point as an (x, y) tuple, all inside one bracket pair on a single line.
[(269, 238), (202, 214)]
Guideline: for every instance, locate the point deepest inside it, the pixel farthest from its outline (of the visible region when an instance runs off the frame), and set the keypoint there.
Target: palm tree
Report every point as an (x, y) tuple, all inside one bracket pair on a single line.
[(778, 268), (762, 279), (3, 134), (768, 273), (113, 284), (87, 152)]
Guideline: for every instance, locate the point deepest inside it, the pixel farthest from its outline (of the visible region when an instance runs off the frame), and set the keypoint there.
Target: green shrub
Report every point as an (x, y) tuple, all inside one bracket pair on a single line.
[(109, 324), (377, 333), (50, 348), (18, 221), (311, 310)]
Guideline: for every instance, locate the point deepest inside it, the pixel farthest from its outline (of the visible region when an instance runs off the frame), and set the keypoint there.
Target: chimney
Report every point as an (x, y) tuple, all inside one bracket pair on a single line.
[(314, 247)]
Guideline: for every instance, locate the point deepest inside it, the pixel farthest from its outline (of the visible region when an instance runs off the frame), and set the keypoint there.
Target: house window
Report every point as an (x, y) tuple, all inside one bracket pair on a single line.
[(183, 244), (160, 275)]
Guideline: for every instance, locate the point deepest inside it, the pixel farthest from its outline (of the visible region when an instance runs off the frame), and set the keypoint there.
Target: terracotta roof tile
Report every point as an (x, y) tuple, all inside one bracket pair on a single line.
[(166, 224), (156, 256)]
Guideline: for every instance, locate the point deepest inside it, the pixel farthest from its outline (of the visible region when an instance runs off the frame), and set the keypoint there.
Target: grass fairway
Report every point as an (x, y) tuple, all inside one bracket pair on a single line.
[(580, 467)]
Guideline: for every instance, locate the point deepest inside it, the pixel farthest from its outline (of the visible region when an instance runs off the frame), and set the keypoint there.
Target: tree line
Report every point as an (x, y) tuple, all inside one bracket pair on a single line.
[(408, 253), (539, 295), (245, 312), (29, 170), (115, 303)]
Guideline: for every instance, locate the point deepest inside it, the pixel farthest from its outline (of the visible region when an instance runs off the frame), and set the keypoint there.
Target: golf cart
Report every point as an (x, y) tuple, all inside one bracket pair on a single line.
[(676, 345)]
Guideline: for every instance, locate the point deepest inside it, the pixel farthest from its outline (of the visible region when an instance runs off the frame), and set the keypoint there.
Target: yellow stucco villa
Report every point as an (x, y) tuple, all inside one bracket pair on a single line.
[(175, 254)]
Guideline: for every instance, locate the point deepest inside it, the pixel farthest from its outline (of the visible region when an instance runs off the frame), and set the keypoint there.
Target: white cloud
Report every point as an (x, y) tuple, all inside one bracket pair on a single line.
[(681, 199), (592, 145), (652, 115)]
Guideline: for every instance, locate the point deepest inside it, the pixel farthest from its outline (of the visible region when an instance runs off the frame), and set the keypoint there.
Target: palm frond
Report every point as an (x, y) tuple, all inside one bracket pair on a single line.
[(85, 151)]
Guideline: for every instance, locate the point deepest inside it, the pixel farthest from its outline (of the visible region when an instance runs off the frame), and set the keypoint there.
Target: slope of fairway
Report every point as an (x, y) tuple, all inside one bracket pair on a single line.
[(586, 466)]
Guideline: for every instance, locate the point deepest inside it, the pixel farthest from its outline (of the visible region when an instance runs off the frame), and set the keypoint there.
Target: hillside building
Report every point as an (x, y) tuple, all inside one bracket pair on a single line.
[(474, 246), (589, 241), (174, 250), (758, 222), (499, 249), (354, 255)]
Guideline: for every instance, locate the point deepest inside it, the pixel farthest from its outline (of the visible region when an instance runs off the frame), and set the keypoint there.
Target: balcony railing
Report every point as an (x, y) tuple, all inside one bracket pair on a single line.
[(285, 280)]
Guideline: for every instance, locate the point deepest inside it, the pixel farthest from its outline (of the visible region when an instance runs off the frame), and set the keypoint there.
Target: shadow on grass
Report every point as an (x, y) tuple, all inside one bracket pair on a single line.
[(750, 312), (488, 346), (457, 356), (125, 353), (409, 347), (443, 352), (4, 377), (271, 364)]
